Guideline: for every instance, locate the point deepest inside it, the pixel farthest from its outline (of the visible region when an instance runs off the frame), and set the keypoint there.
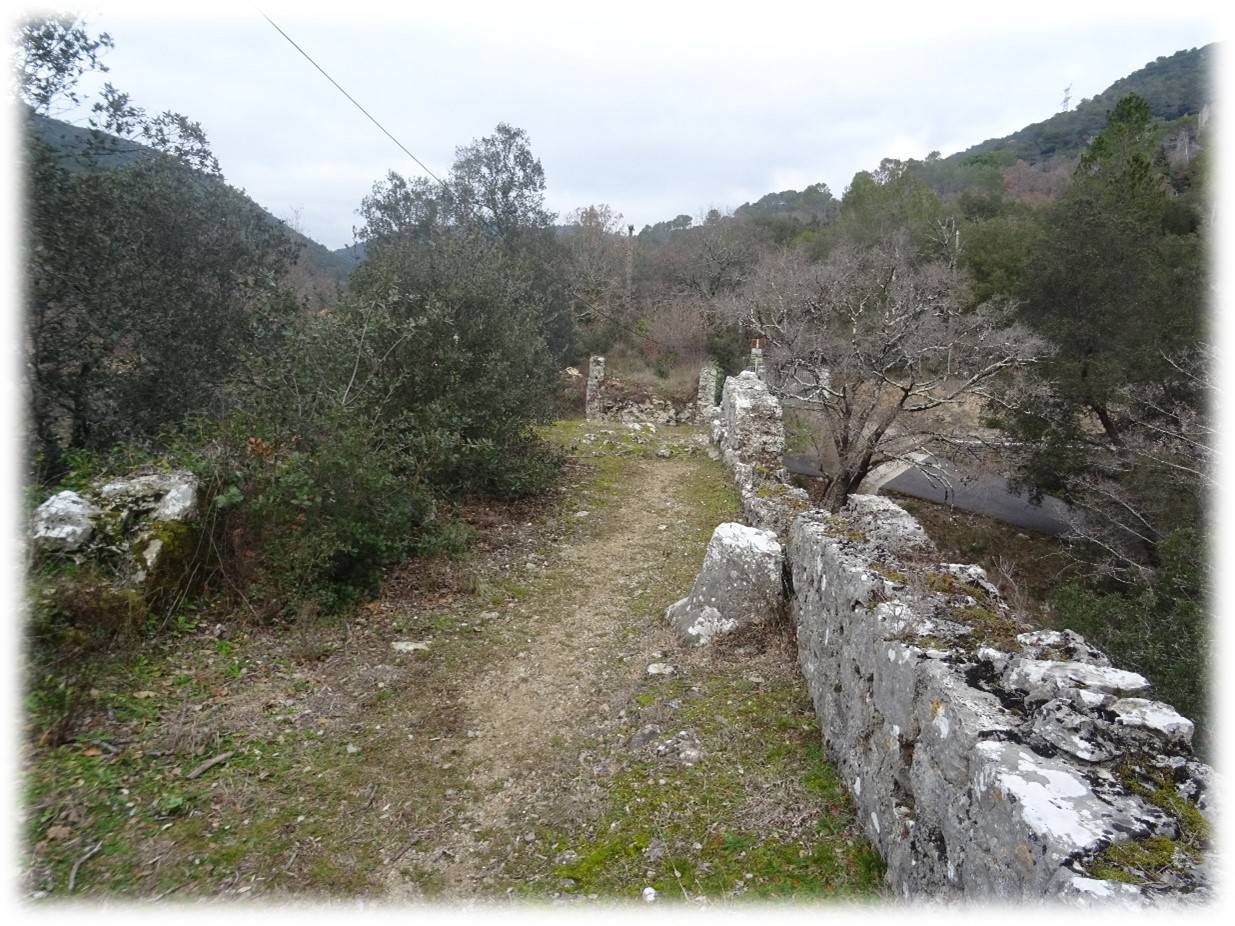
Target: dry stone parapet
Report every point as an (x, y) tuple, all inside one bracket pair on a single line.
[(979, 769), (988, 760)]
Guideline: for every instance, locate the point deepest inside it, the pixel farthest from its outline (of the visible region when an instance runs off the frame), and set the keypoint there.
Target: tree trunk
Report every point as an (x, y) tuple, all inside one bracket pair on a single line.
[(1108, 424), (839, 490)]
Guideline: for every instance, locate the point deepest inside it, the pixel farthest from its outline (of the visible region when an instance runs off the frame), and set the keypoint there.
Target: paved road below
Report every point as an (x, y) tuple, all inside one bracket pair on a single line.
[(980, 493)]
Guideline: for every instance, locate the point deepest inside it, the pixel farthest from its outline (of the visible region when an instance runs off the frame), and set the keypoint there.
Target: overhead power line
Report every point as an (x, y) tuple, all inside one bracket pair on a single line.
[(404, 149), (353, 101)]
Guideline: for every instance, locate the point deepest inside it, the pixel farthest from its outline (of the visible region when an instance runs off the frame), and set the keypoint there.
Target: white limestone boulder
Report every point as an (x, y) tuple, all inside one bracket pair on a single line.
[(1157, 718), (885, 524), (739, 584), (64, 523), (1043, 679), (166, 496)]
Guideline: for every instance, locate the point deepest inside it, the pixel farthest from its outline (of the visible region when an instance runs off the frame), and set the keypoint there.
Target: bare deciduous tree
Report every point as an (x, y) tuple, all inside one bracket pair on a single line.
[(597, 261), (880, 348)]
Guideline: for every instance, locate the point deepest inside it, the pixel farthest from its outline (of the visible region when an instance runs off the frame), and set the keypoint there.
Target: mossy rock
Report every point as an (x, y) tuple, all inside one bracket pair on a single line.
[(77, 607), (164, 555), (991, 626)]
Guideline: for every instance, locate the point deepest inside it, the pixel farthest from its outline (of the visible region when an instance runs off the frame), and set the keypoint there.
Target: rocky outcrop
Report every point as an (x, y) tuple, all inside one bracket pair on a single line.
[(137, 523), (739, 585), (988, 760)]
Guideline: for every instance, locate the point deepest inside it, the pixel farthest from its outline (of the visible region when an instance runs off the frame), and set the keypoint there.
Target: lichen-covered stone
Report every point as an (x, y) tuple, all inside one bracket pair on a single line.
[(63, 523), (885, 525), (1043, 679), (738, 585), (1061, 644), (709, 375), (1033, 813), (749, 431), (752, 423), (1160, 719), (595, 380), (170, 496), (1061, 725), (984, 761)]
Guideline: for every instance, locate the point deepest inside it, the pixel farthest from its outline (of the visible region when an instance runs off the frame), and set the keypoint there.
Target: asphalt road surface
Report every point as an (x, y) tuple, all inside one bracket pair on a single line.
[(980, 493)]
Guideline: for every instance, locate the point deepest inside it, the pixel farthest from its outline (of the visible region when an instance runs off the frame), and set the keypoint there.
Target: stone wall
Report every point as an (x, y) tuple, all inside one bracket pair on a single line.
[(609, 399), (987, 760), (749, 429)]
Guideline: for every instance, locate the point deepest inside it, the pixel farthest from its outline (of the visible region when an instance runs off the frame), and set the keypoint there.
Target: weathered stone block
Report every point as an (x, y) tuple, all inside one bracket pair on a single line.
[(63, 523), (595, 380), (739, 584)]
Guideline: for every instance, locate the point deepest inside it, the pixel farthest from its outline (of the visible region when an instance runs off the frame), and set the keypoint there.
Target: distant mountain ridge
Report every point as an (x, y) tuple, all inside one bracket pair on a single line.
[(1177, 88)]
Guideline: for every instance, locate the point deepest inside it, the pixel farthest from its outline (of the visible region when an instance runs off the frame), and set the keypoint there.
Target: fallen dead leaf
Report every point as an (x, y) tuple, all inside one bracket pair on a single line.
[(92, 751), (59, 832), (143, 695)]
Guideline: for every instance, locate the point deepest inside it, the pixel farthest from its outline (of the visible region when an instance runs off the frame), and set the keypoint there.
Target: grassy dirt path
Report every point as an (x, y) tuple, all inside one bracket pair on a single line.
[(486, 729)]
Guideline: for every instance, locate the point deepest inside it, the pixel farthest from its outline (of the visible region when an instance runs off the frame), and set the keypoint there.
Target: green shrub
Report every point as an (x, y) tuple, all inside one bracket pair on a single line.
[(1159, 629), (311, 517), (519, 469)]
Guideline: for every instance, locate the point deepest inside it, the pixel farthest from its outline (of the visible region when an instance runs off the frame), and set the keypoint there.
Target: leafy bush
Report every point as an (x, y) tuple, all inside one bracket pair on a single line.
[(311, 516), (147, 285)]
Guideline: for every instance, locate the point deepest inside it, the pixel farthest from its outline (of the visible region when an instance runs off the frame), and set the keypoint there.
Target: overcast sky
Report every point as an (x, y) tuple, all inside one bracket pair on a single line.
[(654, 108)]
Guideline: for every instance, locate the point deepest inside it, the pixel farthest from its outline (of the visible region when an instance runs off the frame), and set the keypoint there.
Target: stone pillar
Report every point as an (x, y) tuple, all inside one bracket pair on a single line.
[(708, 375), (595, 379)]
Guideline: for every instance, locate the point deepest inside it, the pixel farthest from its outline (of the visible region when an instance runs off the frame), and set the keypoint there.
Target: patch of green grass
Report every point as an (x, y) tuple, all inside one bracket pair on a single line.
[(1136, 861), (690, 830)]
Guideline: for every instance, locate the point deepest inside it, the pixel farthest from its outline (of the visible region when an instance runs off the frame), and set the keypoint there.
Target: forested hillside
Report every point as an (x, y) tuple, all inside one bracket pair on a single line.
[(315, 273), (1173, 86)]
